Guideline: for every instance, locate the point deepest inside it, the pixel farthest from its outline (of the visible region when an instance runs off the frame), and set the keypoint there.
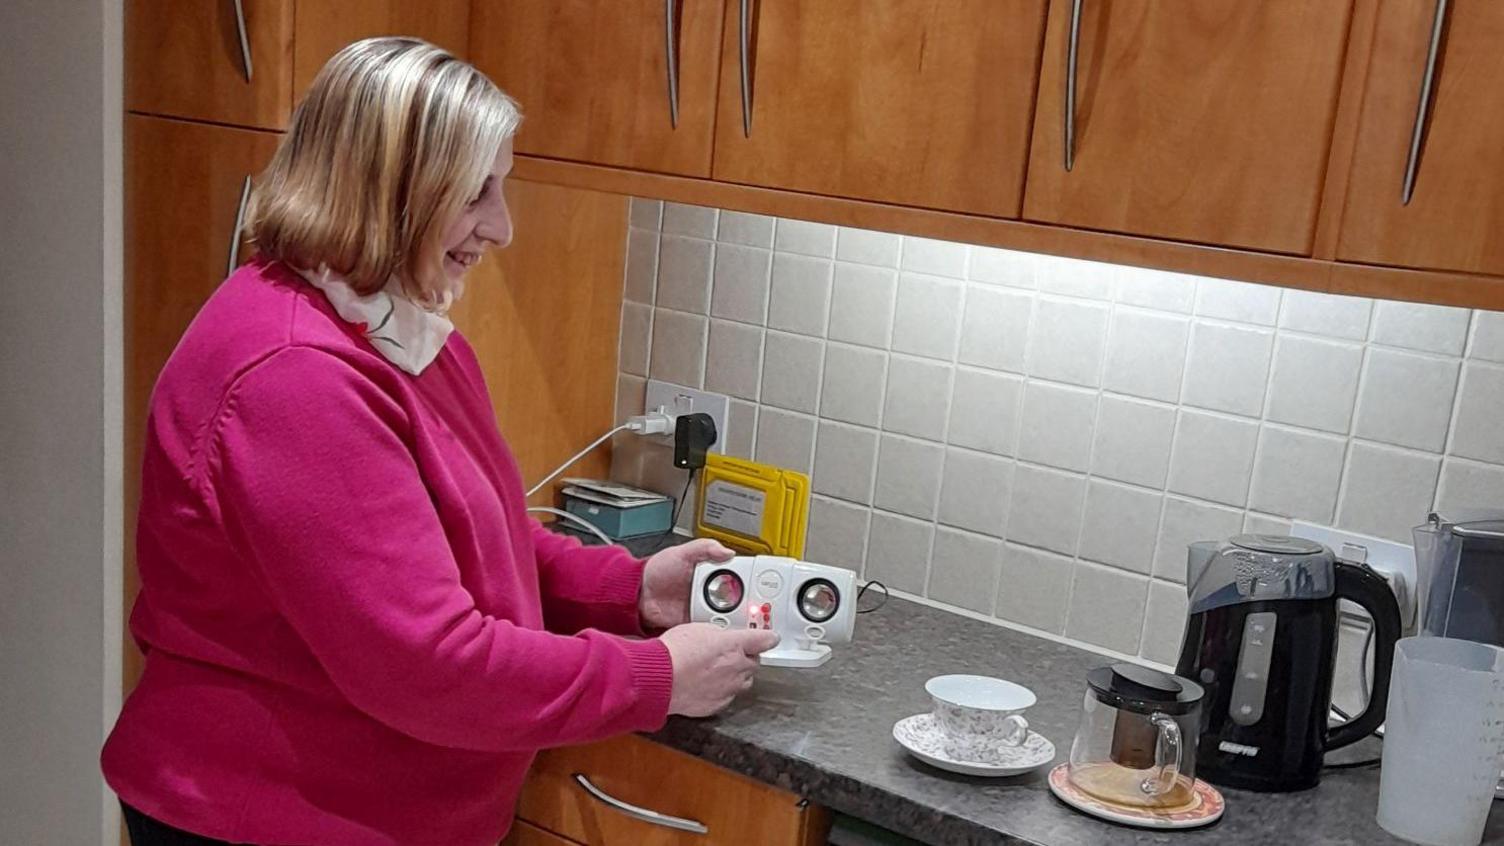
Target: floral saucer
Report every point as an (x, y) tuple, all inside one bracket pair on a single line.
[(1205, 807), (923, 739)]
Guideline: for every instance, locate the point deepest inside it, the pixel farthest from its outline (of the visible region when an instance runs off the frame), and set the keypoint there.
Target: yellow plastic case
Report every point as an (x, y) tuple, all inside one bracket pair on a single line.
[(753, 508)]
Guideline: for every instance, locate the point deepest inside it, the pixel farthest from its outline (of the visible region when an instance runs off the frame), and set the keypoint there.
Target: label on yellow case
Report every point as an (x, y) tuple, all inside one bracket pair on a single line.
[(734, 507)]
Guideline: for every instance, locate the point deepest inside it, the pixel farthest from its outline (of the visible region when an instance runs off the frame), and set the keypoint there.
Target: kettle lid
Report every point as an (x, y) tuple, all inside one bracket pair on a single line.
[(1132, 687), (1277, 544)]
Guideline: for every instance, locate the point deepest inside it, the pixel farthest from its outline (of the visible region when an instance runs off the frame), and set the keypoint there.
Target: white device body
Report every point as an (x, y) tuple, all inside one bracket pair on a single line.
[(770, 598)]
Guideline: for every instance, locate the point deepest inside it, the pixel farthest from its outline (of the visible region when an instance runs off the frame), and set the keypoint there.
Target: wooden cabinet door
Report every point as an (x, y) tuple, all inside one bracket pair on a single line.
[(734, 809), (1455, 217), (901, 101), (1206, 121), (523, 834), (593, 78), (183, 186), (183, 58), (326, 26)]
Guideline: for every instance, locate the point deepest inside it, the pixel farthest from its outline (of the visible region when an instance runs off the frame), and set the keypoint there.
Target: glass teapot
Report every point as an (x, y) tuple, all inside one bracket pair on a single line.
[(1136, 745)]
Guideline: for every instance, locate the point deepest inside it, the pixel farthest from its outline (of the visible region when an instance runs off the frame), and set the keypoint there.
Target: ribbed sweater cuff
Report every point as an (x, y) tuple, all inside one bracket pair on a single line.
[(653, 677)]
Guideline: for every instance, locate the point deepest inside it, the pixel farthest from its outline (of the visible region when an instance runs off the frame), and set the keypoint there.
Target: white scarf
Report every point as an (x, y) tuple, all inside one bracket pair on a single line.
[(406, 334)]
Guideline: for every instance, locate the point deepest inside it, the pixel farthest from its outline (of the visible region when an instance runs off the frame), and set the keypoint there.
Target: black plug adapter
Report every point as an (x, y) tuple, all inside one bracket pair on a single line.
[(693, 435)]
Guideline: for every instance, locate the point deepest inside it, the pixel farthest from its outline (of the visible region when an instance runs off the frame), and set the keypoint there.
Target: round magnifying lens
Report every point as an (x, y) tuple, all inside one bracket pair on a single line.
[(818, 600), (723, 591)]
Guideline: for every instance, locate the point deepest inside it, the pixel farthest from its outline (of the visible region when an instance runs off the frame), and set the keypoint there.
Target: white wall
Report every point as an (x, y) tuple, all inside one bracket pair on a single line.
[(60, 392)]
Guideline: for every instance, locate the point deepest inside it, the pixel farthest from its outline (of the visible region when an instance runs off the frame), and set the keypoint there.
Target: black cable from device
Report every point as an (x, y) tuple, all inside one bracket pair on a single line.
[(863, 590), (678, 507)]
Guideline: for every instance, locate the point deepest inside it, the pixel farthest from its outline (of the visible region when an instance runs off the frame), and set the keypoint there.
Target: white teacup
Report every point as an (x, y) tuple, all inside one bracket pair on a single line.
[(979, 714)]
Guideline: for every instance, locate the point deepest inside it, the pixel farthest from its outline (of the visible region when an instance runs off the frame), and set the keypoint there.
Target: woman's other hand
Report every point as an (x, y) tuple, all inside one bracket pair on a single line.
[(664, 600), (712, 665)]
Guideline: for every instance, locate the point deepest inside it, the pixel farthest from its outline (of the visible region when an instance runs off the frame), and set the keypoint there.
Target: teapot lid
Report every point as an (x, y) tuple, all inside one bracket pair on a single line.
[(1140, 689)]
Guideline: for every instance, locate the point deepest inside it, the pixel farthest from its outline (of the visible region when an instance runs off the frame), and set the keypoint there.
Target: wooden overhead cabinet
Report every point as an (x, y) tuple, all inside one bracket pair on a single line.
[(225, 61), (627, 83), (1206, 121), (1453, 215), (326, 26), (900, 101)]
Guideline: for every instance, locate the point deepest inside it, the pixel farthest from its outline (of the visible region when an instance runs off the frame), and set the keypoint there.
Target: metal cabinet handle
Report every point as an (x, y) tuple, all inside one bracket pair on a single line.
[(245, 197), (1071, 48), (245, 40), (1427, 82), (671, 53), (643, 814), (744, 26)]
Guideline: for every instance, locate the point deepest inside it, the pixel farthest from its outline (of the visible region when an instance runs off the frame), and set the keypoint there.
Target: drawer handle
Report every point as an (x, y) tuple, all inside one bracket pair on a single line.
[(671, 53), (245, 40), (1072, 47), (744, 25), (643, 814), (245, 196), (1427, 82)]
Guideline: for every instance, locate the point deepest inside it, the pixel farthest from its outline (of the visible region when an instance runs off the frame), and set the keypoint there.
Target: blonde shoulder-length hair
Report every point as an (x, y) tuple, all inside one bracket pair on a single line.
[(394, 138)]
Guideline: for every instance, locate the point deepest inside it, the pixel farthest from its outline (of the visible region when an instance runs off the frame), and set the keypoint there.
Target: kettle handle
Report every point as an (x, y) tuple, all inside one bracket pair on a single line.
[(1368, 589)]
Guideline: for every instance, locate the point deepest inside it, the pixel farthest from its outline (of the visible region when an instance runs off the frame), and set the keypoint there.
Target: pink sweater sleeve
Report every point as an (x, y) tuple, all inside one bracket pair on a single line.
[(587, 586), (315, 480)]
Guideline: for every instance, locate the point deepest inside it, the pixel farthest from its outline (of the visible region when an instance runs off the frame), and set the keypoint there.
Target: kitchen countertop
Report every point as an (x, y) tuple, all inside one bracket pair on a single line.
[(826, 735)]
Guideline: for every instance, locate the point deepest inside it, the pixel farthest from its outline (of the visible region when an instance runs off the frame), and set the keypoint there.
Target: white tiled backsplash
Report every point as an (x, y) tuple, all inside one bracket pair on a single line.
[(1037, 438)]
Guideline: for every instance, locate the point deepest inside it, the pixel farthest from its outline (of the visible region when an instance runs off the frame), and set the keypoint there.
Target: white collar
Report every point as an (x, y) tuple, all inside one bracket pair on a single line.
[(406, 334)]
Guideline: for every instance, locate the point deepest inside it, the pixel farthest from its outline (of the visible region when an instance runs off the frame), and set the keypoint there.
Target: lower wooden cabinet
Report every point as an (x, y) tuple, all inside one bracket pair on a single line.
[(631, 779)]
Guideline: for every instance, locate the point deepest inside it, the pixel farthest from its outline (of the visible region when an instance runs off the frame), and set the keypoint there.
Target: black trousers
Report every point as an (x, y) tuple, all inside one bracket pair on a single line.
[(146, 831)]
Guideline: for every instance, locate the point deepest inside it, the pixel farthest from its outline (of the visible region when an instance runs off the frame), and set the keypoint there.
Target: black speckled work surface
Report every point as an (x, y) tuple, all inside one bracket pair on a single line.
[(826, 734)]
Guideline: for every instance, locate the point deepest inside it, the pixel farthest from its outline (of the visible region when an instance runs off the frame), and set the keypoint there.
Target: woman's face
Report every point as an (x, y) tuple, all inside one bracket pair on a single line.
[(485, 221)]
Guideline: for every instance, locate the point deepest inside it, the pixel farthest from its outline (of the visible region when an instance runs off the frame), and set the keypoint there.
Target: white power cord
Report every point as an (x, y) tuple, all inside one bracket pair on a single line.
[(653, 423), (575, 519)]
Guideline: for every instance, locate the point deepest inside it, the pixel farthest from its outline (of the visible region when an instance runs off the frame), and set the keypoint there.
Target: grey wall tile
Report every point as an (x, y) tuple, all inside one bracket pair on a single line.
[(741, 284), (1297, 473), (791, 371), (678, 348), (1034, 588), (861, 304), (1406, 399), (917, 396), (937, 258), (1066, 341), (964, 569), (1227, 300), (1419, 326), (733, 364), (681, 219), (645, 214), (742, 423), (995, 328), (1227, 368), (1132, 441), (684, 274), (898, 552), (1314, 383), (636, 329), (1331, 315), (927, 316), (1387, 491), (642, 265), (785, 439), (868, 247), (974, 491), (993, 266), (837, 533), (845, 462), (630, 392), (1488, 336), (1056, 425), (1184, 522), (801, 236), (1479, 432), (1156, 289), (1120, 526), (1164, 622), (1107, 607), (750, 230), (908, 476), (984, 411), (1212, 457), (1469, 484), (1075, 277), (854, 384), (800, 298), (1045, 510), (1146, 355), (1264, 524)]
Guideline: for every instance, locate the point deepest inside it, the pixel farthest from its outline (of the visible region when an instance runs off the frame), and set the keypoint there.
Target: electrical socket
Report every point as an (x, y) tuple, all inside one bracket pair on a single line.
[(1394, 561), (675, 400)]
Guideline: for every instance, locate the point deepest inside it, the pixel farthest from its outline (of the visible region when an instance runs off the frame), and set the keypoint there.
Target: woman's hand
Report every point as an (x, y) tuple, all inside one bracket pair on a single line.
[(712, 665), (663, 601)]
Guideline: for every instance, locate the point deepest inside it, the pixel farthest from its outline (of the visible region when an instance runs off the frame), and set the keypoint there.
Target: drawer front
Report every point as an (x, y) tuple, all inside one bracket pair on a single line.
[(526, 834), (652, 777)]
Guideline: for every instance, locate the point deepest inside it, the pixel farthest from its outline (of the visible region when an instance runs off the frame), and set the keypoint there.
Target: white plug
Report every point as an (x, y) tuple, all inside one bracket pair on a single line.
[(652, 423)]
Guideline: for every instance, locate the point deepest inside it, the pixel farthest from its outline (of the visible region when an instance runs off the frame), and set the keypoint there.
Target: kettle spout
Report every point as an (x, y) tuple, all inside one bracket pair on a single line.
[(1198, 556)]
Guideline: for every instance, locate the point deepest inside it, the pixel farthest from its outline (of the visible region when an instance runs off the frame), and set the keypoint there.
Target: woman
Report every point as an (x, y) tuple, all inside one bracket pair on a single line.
[(353, 632)]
